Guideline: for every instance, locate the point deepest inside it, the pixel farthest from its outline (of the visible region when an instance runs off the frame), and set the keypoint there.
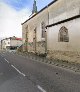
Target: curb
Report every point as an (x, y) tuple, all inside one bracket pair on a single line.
[(63, 64)]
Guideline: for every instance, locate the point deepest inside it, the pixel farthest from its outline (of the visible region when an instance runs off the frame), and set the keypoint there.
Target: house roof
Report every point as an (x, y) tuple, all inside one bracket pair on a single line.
[(40, 11), (63, 21), (13, 38), (19, 39)]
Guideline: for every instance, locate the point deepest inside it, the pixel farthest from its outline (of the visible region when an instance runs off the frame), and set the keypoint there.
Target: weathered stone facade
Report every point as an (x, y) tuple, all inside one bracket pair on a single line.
[(40, 47), (69, 56), (30, 47), (58, 14)]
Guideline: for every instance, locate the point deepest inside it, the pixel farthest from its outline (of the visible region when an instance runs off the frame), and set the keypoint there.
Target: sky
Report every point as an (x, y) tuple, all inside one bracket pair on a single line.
[(15, 12)]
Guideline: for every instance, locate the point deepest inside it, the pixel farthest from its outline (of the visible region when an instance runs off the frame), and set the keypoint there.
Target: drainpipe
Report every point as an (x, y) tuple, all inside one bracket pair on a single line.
[(26, 39), (46, 32), (35, 39), (45, 42)]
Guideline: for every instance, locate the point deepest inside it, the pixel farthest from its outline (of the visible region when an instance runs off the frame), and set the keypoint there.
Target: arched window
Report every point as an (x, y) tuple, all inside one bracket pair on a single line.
[(43, 29), (63, 34)]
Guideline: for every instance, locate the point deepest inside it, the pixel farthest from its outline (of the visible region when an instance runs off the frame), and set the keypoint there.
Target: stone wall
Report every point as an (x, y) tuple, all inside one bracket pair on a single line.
[(30, 47), (64, 55), (40, 46)]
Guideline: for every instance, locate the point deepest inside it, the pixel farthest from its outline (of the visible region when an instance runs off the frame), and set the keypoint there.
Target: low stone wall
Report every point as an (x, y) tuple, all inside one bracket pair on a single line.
[(40, 47), (64, 55), (30, 47)]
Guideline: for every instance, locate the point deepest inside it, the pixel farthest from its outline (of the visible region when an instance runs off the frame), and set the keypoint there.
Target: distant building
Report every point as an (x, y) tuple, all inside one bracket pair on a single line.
[(11, 43), (54, 30), (0, 45)]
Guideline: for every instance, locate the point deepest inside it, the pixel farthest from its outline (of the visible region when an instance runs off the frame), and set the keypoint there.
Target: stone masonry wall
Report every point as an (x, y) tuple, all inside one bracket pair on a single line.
[(64, 55), (30, 47), (40, 47)]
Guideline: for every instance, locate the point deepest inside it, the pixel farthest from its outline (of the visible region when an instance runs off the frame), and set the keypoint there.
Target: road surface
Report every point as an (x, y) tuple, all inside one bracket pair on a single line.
[(21, 74)]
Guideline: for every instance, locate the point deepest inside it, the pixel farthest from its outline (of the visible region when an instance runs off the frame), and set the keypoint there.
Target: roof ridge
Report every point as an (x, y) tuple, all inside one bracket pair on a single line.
[(40, 11)]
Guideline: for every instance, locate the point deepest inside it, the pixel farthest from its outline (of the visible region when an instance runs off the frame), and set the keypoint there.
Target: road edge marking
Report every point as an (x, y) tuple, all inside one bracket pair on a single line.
[(6, 60), (18, 70), (40, 88)]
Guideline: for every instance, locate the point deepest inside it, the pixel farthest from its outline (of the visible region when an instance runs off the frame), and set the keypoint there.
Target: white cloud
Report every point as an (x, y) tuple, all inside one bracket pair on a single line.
[(10, 20)]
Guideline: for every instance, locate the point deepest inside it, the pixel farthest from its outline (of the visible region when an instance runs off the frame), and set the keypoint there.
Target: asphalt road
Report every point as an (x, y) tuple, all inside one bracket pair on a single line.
[(21, 74)]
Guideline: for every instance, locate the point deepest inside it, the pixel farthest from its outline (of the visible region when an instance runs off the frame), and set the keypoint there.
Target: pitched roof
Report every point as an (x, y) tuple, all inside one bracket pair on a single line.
[(19, 39), (13, 38), (40, 11)]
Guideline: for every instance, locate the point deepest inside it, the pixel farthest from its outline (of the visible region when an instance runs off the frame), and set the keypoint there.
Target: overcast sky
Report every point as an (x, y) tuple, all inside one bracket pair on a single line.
[(13, 13)]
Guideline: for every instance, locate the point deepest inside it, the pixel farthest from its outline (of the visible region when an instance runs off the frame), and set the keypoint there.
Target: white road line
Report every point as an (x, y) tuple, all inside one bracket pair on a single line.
[(18, 70), (40, 88), (6, 60), (23, 74)]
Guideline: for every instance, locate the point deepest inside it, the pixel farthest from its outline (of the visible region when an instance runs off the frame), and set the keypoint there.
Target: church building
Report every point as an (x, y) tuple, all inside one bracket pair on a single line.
[(54, 30)]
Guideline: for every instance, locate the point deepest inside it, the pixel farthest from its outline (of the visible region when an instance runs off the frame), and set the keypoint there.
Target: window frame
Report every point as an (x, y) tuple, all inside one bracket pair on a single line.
[(43, 29), (63, 35)]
